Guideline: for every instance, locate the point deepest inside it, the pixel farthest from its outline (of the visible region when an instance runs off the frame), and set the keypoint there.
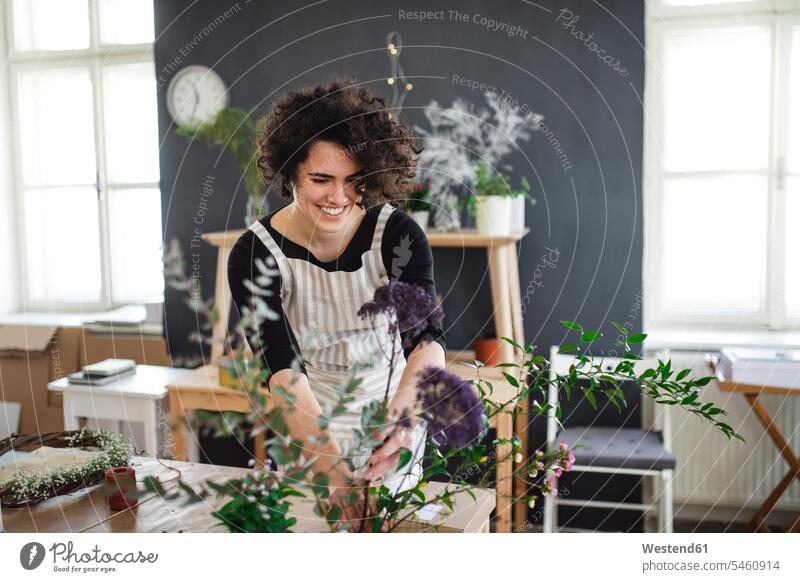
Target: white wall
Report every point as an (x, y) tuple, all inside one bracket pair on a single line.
[(10, 281)]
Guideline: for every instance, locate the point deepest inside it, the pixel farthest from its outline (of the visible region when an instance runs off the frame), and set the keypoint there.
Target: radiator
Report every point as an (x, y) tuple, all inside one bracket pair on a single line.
[(712, 470)]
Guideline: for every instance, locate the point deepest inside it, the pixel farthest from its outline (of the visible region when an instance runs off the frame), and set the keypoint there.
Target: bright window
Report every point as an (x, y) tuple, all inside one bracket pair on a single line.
[(84, 103), (722, 164)]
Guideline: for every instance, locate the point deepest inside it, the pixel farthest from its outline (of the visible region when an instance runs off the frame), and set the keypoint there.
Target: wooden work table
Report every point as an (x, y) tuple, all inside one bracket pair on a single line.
[(751, 393), (87, 510), (199, 389)]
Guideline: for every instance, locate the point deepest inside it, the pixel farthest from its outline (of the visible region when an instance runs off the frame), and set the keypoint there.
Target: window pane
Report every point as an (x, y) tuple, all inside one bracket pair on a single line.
[(51, 24), (135, 232), (131, 123), (63, 244), (126, 21), (716, 85), (57, 127), (794, 104), (713, 256), (792, 265)]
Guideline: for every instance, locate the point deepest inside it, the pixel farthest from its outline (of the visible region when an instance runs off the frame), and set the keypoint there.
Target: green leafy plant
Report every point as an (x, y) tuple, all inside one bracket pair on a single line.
[(494, 184), (234, 130), (456, 412)]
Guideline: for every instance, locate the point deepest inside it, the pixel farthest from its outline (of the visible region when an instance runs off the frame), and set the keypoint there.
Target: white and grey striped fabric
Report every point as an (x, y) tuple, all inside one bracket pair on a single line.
[(321, 307)]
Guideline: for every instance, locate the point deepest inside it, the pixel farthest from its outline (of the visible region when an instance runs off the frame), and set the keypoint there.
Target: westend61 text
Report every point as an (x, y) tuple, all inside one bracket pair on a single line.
[(672, 549)]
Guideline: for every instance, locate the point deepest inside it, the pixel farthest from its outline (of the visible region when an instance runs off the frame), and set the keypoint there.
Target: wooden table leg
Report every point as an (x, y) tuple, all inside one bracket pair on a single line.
[(151, 430), (515, 295), (504, 490), (523, 419), (499, 278), (222, 301), (795, 527), (177, 421), (71, 421), (757, 521), (258, 443)]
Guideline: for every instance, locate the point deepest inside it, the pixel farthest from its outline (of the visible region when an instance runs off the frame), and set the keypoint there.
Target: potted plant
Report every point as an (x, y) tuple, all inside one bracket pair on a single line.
[(234, 129), (488, 349), (491, 200), (462, 132), (419, 204)]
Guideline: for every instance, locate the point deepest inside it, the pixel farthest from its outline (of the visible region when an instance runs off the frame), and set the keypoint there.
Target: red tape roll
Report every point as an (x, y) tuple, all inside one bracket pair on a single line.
[(123, 481)]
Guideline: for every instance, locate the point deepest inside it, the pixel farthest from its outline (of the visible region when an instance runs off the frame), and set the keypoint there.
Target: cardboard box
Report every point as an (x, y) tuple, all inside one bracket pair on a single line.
[(142, 348), (31, 356)]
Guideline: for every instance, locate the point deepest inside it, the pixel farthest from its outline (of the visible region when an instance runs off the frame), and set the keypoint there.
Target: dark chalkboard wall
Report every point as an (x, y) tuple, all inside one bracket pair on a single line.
[(578, 63)]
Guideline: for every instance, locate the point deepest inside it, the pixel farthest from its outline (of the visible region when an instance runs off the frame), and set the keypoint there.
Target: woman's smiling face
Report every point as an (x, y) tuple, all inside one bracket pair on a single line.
[(327, 187)]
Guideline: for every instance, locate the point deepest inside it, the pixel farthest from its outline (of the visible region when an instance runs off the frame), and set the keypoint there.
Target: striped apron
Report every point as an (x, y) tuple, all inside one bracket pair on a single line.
[(321, 307)]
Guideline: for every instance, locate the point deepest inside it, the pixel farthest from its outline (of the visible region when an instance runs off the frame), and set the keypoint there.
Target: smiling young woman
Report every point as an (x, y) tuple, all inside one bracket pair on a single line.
[(345, 162)]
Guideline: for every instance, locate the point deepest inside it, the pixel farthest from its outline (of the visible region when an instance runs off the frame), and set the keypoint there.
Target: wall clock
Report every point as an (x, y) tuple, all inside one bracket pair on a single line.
[(196, 94)]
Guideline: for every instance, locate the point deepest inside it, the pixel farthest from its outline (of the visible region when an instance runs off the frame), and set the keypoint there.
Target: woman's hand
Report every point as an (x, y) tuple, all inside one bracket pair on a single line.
[(387, 456), (351, 499)]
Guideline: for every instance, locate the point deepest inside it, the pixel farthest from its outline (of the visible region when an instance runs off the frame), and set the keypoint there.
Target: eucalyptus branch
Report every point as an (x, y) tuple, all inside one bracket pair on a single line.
[(456, 427)]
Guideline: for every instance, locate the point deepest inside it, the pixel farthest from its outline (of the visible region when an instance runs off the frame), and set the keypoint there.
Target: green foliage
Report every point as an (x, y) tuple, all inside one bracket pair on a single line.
[(262, 501), (234, 130), (490, 184), (661, 383)]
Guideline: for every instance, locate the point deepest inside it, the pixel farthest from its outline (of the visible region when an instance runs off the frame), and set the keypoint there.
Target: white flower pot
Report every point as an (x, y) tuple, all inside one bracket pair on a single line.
[(421, 218), (518, 213), (493, 215)]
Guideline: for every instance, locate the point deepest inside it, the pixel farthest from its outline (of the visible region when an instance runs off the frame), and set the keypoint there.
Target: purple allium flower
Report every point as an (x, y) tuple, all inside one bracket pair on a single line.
[(451, 406), (409, 308)]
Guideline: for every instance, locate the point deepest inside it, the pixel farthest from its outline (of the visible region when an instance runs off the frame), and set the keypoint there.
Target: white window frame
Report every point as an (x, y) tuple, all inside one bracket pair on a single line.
[(781, 15), (94, 58)]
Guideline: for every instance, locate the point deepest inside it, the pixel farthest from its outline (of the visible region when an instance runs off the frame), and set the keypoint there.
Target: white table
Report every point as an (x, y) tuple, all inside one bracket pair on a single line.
[(133, 398)]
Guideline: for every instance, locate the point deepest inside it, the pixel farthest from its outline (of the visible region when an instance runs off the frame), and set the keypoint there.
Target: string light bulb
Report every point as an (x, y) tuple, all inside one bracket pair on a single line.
[(394, 44)]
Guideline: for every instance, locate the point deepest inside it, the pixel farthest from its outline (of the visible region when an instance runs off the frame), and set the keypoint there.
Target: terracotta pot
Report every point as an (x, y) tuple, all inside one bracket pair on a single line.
[(488, 351)]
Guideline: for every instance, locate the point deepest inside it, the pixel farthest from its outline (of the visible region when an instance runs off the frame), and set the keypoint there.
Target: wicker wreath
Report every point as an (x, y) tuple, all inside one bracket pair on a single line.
[(26, 489)]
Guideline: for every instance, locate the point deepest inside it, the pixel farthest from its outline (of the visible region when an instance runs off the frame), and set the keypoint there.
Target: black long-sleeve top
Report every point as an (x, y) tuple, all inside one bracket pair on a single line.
[(404, 244)]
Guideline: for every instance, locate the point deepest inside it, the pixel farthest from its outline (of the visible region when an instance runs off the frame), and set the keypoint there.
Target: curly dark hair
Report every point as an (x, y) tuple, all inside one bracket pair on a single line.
[(352, 117)]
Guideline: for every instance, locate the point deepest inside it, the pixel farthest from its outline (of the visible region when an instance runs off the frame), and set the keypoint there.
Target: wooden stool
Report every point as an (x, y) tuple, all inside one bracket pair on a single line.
[(200, 390)]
